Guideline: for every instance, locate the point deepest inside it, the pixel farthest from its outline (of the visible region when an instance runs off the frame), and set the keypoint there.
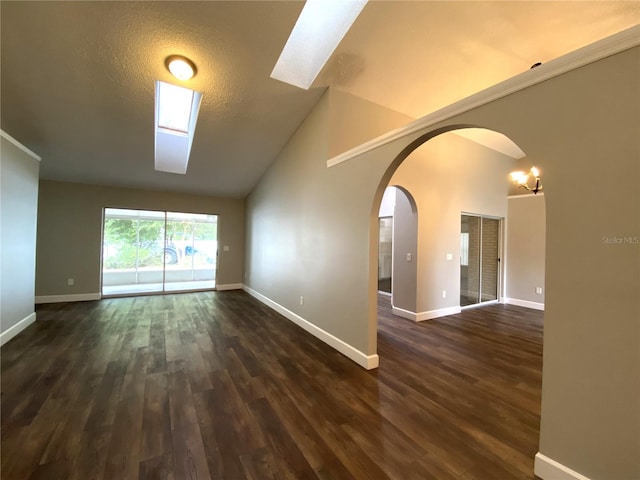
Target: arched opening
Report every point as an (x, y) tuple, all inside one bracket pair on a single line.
[(459, 179), (450, 177), (398, 222)]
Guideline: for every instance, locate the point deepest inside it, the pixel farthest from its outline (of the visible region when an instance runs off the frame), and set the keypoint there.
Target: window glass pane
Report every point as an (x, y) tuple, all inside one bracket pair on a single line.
[(192, 243), (470, 272), (464, 248), (490, 243), (132, 251), (174, 107), (143, 253)]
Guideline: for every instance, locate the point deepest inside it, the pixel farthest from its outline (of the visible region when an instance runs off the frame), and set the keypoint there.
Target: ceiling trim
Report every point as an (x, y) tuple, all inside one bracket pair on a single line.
[(606, 47), (10, 139)]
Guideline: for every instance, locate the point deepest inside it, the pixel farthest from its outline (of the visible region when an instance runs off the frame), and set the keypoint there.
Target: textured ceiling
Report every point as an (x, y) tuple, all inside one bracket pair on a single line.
[(77, 78), (416, 57)]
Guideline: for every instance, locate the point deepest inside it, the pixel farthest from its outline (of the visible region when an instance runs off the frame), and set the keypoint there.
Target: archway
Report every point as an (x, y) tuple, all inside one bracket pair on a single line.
[(451, 173), (398, 246), (459, 350)]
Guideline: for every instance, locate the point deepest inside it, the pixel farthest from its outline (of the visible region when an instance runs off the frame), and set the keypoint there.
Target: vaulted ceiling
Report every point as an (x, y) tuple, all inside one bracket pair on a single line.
[(77, 78)]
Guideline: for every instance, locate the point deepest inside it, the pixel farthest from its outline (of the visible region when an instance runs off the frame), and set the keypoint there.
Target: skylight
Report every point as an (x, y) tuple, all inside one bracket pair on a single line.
[(174, 107), (320, 27), (176, 116)]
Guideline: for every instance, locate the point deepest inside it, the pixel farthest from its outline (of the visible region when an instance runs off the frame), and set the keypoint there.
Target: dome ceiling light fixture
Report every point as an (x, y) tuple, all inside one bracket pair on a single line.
[(180, 67)]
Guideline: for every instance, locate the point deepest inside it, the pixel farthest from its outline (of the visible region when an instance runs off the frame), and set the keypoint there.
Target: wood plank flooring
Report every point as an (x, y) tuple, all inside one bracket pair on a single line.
[(217, 385)]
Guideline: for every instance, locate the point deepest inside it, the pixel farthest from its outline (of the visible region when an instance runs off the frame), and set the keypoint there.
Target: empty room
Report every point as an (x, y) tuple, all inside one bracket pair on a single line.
[(320, 239)]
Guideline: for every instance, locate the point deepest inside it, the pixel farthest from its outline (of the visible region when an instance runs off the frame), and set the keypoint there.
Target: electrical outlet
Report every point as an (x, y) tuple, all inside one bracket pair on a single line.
[(444, 294), (539, 290), (301, 300), (69, 281), (408, 257), (225, 248), (449, 256)]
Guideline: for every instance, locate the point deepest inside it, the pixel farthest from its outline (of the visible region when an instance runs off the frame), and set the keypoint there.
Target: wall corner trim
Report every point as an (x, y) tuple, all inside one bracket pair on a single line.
[(79, 297), (524, 303), (14, 330), (10, 139), (229, 286), (366, 361), (549, 469), (598, 50)]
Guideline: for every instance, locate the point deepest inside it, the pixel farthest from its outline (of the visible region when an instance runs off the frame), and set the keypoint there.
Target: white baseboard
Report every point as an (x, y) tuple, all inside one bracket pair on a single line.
[(229, 286), (11, 332), (367, 361), (422, 316), (441, 312), (401, 312), (79, 297), (549, 469), (524, 303)]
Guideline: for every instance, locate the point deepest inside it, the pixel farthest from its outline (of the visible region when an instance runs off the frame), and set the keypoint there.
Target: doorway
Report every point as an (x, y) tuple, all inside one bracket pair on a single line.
[(479, 259), (147, 251), (385, 254)]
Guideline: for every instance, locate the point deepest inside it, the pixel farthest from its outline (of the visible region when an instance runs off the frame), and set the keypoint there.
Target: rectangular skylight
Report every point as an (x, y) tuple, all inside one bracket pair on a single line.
[(175, 123), (320, 27), (174, 107)]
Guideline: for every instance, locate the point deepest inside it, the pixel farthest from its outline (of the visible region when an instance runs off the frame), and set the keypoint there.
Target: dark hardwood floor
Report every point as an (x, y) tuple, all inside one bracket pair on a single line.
[(216, 385)]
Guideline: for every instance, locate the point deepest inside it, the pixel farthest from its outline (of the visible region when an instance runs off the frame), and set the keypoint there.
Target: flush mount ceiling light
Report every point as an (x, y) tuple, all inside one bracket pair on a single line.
[(180, 67), (320, 27), (522, 180)]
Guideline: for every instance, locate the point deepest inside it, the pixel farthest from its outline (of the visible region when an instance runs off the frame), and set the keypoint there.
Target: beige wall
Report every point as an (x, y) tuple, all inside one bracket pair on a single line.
[(18, 210), (581, 128), (355, 121), (526, 229), (446, 176), (404, 286), (70, 232), (306, 236)]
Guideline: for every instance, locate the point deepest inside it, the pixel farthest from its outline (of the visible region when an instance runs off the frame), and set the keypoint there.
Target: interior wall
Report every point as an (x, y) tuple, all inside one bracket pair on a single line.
[(525, 255), (591, 380), (581, 129), (355, 120), (18, 210), (307, 237), (449, 175), (405, 252), (70, 232)]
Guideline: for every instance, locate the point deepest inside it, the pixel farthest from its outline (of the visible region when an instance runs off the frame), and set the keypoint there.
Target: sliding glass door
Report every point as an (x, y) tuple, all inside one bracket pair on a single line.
[(191, 250), (479, 259), (490, 264), (149, 251)]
